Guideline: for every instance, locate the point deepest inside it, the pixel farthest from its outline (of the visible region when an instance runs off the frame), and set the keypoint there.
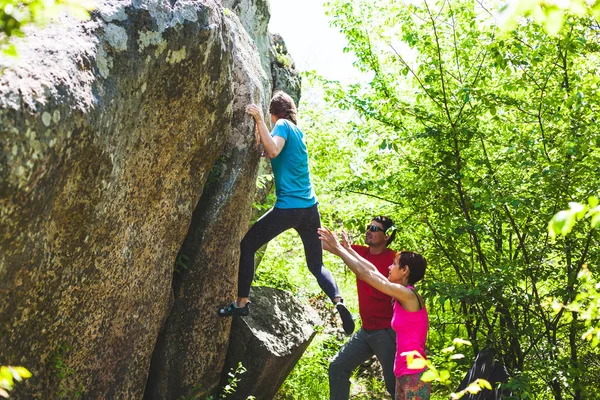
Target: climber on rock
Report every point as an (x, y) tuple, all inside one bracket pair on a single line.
[(296, 206)]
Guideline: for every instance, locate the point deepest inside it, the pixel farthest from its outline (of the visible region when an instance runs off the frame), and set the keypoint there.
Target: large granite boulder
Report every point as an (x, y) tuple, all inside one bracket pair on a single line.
[(268, 342), (190, 351), (254, 16), (124, 148)]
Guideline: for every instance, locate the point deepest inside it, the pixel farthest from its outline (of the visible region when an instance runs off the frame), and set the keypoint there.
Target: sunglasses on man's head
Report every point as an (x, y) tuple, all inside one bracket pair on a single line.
[(374, 228)]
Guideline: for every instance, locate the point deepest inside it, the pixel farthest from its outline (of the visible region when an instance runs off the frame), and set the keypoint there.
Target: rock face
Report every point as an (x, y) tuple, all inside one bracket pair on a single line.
[(124, 148), (254, 16), (268, 342), (283, 69), (190, 349)]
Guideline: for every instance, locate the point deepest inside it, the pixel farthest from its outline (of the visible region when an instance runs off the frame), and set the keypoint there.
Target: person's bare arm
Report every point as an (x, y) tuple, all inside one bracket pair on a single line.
[(272, 145), (345, 243), (327, 248), (363, 269), (348, 245)]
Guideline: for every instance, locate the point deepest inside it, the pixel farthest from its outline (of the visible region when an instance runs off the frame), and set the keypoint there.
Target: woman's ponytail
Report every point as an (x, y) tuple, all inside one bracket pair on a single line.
[(283, 106)]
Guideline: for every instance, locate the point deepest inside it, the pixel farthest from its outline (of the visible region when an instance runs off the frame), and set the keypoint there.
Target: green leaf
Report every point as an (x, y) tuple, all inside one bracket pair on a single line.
[(484, 384), (79, 12), (417, 363), (596, 219), (473, 388), (461, 342), (577, 209), (429, 376), (11, 51), (560, 224), (444, 376)]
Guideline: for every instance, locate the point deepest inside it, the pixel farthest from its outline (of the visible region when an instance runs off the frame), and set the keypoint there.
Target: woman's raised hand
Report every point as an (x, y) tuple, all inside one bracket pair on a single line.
[(346, 240), (329, 239), (255, 111)]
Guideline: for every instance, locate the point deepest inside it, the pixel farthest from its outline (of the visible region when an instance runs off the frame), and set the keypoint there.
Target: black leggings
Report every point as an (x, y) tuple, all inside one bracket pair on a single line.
[(277, 220)]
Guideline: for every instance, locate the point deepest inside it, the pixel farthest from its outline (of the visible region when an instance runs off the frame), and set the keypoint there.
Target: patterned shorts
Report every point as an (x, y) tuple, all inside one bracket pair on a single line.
[(411, 387)]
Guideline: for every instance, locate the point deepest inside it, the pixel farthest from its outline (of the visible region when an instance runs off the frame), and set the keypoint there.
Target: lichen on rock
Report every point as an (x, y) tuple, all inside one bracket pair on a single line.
[(109, 131)]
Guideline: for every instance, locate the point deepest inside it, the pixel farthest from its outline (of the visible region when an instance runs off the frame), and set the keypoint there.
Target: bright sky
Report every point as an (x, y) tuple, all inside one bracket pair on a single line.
[(310, 40)]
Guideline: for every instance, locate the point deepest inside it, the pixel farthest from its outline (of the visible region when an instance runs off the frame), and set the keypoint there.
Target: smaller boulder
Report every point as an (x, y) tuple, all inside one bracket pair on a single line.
[(268, 342)]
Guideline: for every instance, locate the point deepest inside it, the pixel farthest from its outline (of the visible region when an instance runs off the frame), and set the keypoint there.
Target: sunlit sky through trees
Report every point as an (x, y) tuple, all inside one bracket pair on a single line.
[(313, 44)]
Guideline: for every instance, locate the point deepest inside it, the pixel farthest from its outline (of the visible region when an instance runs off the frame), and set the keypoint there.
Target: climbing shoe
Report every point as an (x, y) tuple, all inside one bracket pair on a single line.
[(347, 321), (233, 309)]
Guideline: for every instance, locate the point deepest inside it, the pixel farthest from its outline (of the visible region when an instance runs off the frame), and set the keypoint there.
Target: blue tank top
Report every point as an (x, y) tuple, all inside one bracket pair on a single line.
[(290, 168)]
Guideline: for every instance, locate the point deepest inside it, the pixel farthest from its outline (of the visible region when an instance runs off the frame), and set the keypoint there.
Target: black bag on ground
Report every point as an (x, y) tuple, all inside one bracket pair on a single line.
[(486, 367)]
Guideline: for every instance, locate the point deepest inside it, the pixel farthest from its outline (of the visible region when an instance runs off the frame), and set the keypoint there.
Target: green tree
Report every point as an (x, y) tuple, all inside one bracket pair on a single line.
[(550, 14), (477, 138), (15, 15)]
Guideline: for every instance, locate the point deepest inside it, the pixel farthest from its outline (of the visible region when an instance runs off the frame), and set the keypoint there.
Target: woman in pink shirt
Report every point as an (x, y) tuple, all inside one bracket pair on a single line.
[(410, 320)]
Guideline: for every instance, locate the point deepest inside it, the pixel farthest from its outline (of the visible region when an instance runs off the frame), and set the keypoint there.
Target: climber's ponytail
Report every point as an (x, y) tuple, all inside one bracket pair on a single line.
[(283, 106)]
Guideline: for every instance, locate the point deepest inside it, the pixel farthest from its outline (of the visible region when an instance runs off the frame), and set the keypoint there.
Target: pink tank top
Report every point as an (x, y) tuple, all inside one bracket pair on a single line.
[(411, 334)]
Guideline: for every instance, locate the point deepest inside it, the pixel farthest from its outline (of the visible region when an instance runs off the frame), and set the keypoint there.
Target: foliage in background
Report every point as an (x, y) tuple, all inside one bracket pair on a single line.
[(550, 13), (309, 378), (564, 221), (15, 15), (586, 305), (476, 138), (472, 138), (282, 57)]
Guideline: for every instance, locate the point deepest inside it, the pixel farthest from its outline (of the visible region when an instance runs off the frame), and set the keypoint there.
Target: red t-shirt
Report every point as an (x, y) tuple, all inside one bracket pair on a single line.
[(375, 307)]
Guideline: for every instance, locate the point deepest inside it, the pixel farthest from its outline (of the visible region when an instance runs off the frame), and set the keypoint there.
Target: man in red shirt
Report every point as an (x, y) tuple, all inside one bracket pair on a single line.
[(376, 335)]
